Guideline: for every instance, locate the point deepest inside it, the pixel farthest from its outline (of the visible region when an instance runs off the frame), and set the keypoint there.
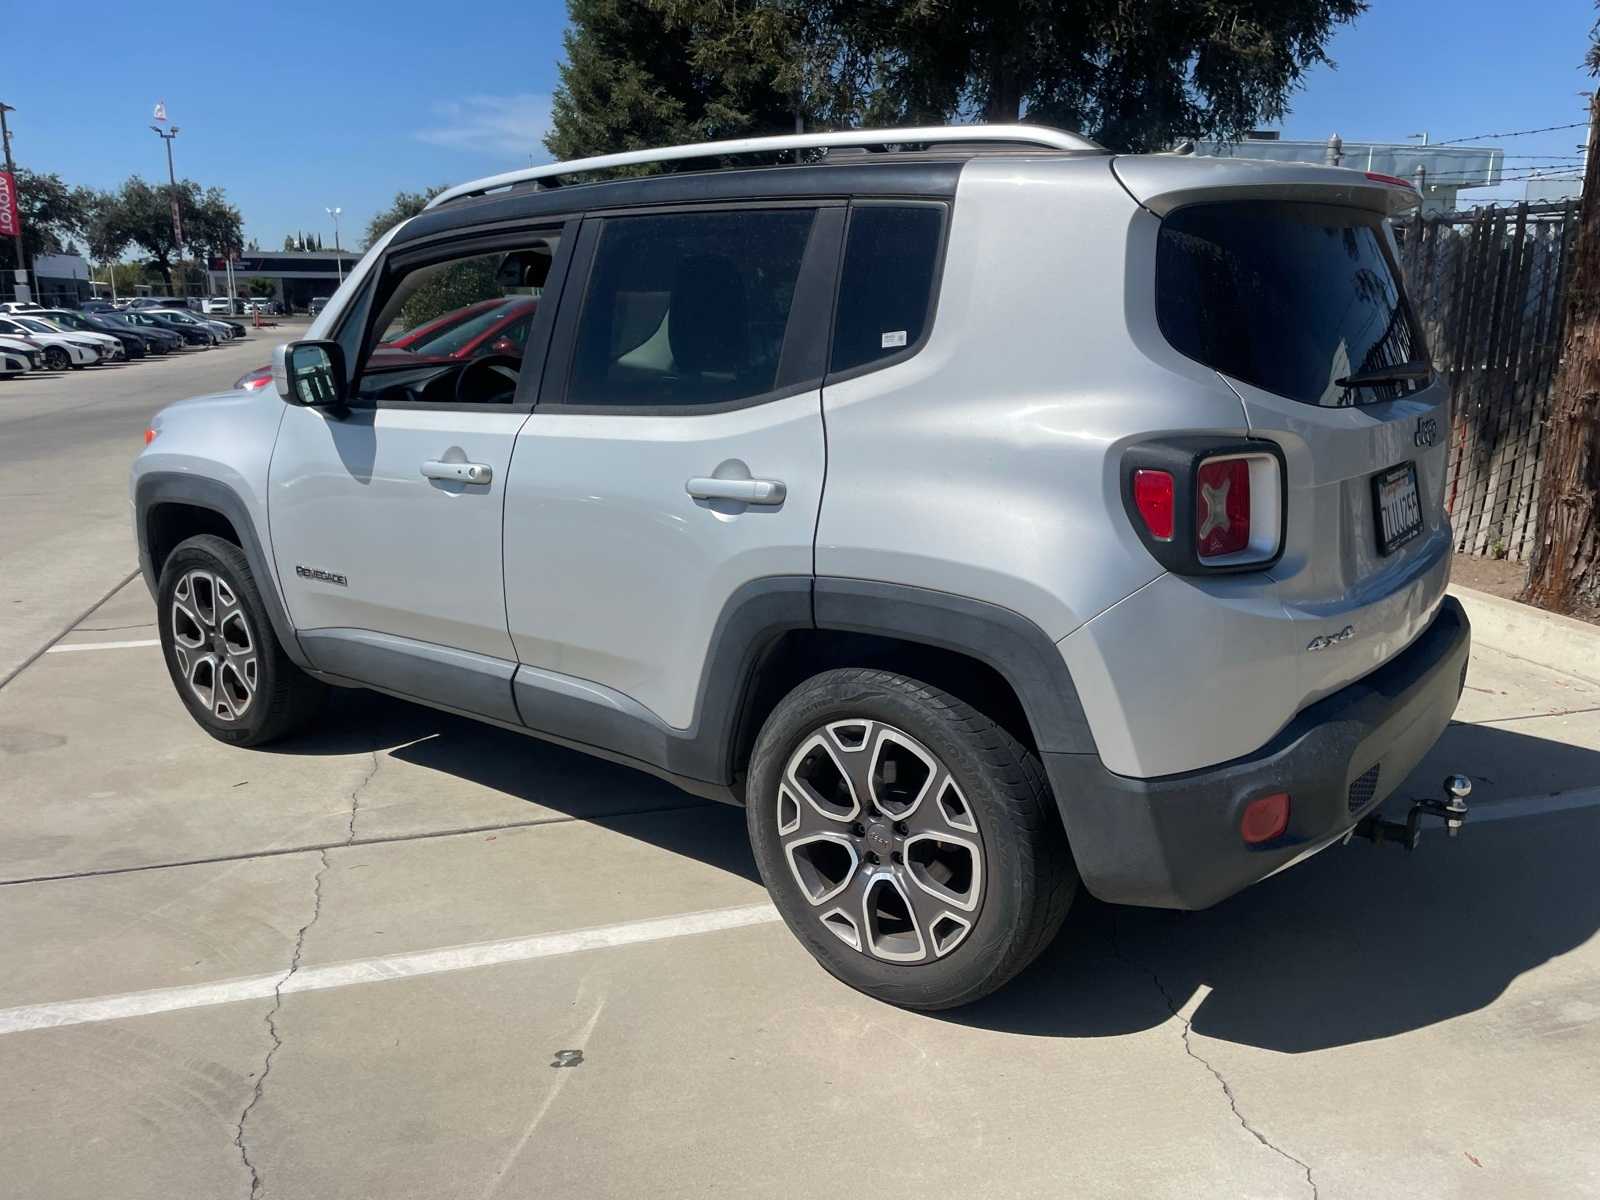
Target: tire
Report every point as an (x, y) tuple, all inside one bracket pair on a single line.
[(973, 877), (56, 359), (250, 693)]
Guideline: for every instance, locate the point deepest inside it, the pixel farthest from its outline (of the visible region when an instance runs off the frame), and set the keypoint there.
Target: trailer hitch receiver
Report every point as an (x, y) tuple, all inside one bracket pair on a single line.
[(1452, 810)]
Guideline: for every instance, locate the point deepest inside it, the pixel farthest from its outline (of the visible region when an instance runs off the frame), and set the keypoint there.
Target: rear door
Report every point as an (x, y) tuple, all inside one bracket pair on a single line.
[(1300, 305), (675, 459)]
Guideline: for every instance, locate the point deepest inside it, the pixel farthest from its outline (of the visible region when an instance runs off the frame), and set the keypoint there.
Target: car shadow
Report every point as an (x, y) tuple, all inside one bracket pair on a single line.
[(1358, 943)]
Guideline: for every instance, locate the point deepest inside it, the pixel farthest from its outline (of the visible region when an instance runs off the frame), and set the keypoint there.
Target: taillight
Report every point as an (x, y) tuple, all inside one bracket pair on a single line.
[(149, 435), (1203, 504), (254, 380), (1222, 507), (1153, 497)]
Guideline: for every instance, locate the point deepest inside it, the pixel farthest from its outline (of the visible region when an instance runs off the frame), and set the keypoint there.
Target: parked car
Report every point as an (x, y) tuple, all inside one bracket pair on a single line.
[(191, 331), (97, 306), (26, 349), (494, 326), (109, 348), (60, 350), (161, 339), (217, 305), (19, 306), (822, 494), (155, 302), (17, 358), (134, 345), (213, 332), (318, 304)]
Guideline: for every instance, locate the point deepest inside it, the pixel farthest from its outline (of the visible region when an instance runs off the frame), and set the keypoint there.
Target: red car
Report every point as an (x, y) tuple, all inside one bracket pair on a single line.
[(498, 326)]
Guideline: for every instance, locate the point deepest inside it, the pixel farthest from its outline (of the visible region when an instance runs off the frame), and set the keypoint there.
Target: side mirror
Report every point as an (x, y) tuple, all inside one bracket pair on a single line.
[(310, 374)]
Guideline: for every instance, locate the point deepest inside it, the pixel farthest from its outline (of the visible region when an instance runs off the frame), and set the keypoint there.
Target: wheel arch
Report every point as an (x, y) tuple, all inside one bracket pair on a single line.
[(169, 507)]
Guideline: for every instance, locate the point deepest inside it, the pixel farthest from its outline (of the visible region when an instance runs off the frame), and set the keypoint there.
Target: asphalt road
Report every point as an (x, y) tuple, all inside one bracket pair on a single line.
[(65, 444), (406, 955)]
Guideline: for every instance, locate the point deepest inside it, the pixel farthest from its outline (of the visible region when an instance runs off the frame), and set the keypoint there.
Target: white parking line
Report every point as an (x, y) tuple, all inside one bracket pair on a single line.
[(377, 970), (68, 649)]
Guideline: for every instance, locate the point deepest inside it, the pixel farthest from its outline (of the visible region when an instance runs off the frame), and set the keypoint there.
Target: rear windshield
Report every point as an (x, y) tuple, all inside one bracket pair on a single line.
[(1298, 299)]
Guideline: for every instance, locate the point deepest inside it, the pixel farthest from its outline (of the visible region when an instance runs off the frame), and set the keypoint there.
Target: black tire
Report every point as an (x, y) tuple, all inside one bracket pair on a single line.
[(1028, 878), (56, 359), (283, 698)]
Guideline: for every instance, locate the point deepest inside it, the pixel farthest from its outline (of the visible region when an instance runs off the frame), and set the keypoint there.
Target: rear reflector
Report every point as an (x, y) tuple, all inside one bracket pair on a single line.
[(1265, 818), (1222, 507), (1153, 497)]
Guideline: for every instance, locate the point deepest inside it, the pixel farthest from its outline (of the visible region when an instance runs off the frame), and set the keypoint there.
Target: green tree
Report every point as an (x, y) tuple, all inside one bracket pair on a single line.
[(1134, 74), (257, 286), (53, 215), (140, 214), (404, 206)]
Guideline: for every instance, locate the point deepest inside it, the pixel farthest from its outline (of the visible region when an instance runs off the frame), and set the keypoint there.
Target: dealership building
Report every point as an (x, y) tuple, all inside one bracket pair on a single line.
[(297, 276)]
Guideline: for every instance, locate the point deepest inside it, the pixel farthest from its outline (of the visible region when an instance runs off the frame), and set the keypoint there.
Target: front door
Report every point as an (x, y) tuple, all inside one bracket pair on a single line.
[(676, 455), (386, 519)]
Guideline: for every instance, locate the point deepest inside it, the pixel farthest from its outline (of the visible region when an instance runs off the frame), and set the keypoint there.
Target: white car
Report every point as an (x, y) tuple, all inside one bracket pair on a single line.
[(109, 348), (13, 362), (31, 353), (220, 305), (60, 350), (19, 306)]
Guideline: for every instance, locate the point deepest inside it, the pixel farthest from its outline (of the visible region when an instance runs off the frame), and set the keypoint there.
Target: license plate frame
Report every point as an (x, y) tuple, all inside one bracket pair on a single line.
[(1395, 494)]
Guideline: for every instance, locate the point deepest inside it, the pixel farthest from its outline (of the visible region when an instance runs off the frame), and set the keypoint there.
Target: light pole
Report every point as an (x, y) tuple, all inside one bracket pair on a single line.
[(11, 171), (338, 258), (172, 181)]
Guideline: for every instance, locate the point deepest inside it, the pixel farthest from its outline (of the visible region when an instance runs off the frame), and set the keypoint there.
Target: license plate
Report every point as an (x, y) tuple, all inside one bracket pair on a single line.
[(1397, 506)]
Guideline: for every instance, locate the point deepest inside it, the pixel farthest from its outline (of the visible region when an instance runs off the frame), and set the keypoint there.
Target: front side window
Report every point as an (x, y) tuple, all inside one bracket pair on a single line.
[(688, 309), (455, 331), (1299, 299), (886, 287)]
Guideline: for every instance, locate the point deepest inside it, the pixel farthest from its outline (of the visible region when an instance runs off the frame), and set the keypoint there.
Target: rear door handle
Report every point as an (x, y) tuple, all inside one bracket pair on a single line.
[(462, 472), (745, 491)]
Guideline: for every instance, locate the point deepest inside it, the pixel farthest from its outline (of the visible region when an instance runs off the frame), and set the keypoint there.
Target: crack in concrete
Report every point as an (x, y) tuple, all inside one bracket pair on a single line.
[(294, 965), (355, 796), (272, 1030), (1188, 1048)]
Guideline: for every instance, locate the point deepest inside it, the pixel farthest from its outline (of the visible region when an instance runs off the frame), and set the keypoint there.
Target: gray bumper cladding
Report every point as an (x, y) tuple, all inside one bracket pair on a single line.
[(1173, 841)]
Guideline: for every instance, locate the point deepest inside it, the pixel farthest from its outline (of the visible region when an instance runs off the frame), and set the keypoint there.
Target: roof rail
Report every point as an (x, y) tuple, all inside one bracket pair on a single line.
[(1021, 135)]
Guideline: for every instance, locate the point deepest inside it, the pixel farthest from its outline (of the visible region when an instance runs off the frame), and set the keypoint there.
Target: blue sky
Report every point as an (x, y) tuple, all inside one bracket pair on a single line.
[(293, 108)]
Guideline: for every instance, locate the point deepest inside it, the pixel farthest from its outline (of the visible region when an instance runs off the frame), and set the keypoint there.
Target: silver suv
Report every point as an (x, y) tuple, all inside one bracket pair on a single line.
[(989, 514)]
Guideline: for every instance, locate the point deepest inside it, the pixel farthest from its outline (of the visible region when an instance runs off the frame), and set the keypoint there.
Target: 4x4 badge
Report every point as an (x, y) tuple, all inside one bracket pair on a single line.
[(1323, 642), (1427, 432)]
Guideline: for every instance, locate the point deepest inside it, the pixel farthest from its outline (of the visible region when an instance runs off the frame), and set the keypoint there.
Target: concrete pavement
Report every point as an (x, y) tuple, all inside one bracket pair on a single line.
[(439, 909)]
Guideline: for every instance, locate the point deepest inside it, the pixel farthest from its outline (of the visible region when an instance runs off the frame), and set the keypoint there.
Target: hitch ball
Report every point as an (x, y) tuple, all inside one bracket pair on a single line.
[(1458, 788)]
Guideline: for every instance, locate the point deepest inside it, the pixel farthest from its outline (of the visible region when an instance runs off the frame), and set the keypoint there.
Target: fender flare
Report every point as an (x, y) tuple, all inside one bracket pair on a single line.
[(170, 487)]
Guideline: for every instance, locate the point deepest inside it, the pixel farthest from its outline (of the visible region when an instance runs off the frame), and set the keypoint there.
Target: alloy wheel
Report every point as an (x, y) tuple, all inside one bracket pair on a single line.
[(56, 359), (214, 644), (881, 841)]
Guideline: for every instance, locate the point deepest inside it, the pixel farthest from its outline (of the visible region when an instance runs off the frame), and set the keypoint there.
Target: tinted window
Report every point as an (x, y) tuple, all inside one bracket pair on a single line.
[(1289, 297), (688, 309), (887, 282)]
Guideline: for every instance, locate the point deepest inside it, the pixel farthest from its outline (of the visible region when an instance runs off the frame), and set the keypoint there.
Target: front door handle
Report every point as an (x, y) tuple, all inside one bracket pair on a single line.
[(462, 472), (745, 491)]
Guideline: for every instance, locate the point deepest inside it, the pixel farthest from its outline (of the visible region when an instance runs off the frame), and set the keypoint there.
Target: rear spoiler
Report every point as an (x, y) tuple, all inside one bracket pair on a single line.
[(1162, 183)]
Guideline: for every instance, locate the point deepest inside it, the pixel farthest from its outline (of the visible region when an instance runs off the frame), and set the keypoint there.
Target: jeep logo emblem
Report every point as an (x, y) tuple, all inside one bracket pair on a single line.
[(1427, 432)]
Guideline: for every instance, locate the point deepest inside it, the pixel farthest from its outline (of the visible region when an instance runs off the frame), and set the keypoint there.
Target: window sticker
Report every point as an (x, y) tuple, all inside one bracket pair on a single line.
[(897, 338)]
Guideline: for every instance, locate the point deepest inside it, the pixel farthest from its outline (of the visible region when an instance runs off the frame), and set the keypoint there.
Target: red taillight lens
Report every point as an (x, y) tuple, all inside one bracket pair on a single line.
[(1222, 507), (1265, 818), (1153, 497), (149, 435)]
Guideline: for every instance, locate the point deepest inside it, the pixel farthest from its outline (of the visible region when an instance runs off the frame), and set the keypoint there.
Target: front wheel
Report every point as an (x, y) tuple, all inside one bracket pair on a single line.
[(909, 842), (56, 359), (222, 654)]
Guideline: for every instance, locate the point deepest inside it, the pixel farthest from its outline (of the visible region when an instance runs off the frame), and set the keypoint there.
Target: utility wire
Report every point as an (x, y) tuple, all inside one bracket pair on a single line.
[(1483, 137)]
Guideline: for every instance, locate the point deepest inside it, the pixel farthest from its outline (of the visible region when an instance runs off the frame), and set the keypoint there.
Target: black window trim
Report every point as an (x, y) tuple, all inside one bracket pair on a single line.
[(464, 243), (940, 249), (803, 357)]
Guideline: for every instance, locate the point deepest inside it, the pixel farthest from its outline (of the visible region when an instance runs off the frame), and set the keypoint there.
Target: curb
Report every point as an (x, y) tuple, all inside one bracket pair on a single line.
[(1549, 639)]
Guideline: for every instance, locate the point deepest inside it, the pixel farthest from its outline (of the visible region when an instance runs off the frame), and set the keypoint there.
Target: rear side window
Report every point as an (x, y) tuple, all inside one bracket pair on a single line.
[(688, 309), (1293, 298), (886, 287)]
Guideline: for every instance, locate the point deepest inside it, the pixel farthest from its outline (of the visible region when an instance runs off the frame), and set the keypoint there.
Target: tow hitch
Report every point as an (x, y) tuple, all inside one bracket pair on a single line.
[(1452, 810)]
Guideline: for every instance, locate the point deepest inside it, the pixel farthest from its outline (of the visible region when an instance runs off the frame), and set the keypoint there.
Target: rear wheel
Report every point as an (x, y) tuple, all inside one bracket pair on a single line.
[(224, 658), (908, 841)]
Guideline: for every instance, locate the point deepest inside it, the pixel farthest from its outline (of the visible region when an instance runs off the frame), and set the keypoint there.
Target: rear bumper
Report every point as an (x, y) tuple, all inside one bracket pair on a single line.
[(1173, 841)]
